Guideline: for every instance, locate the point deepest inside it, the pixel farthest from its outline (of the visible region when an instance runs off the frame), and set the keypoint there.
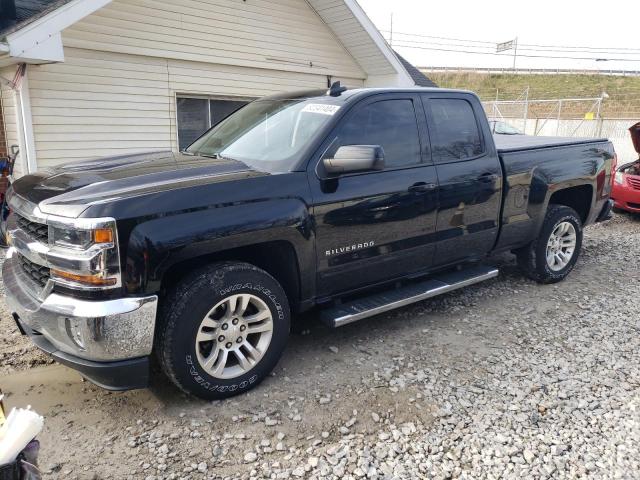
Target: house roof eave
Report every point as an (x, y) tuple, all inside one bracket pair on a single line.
[(40, 40)]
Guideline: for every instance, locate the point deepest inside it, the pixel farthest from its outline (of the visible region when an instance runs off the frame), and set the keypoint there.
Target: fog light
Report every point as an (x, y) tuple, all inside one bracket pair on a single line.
[(74, 332)]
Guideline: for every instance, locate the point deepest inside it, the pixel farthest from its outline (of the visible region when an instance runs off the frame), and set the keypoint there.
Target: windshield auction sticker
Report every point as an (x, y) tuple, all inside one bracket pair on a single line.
[(321, 108)]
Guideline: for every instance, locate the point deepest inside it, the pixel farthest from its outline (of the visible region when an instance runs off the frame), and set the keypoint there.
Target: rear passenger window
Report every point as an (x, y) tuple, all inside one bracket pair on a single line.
[(454, 131), (388, 123)]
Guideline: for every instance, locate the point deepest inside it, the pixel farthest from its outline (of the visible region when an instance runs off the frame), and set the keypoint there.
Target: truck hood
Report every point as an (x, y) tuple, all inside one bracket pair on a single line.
[(69, 189), (635, 136)]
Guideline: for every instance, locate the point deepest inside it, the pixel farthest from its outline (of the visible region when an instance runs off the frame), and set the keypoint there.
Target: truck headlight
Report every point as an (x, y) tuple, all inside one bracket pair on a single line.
[(69, 237), (619, 178), (84, 253)]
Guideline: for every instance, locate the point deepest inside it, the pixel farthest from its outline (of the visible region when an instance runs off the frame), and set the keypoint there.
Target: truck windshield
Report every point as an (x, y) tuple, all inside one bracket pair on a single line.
[(268, 134)]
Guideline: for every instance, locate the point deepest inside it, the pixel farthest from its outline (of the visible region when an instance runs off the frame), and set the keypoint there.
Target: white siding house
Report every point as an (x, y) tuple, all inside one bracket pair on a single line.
[(112, 77)]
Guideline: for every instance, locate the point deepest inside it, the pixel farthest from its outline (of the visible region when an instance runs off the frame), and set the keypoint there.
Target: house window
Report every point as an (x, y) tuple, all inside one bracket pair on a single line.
[(197, 115)]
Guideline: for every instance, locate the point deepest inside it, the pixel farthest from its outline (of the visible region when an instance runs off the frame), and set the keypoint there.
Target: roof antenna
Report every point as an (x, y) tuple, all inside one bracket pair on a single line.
[(336, 89)]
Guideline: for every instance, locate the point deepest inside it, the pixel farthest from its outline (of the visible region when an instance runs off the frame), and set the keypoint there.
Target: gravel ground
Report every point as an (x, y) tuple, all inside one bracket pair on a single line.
[(501, 380)]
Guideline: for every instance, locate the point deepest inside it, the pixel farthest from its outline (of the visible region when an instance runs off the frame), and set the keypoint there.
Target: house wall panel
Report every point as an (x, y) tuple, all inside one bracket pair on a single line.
[(104, 103), (286, 35)]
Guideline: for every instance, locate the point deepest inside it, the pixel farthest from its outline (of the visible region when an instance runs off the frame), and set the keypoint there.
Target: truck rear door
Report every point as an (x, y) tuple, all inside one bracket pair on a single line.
[(469, 177)]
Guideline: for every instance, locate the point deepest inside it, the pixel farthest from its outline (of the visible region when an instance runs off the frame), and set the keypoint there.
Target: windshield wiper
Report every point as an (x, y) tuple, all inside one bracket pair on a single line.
[(215, 156)]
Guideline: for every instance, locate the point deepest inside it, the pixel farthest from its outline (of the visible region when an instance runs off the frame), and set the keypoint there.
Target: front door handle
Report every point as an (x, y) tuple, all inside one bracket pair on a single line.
[(488, 177), (422, 187)]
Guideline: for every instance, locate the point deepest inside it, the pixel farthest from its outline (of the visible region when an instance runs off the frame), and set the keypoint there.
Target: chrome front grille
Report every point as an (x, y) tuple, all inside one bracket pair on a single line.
[(634, 182), (38, 273), (35, 230)]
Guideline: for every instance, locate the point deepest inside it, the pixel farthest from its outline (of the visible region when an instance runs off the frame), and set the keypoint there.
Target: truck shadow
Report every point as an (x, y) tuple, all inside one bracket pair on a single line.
[(312, 346)]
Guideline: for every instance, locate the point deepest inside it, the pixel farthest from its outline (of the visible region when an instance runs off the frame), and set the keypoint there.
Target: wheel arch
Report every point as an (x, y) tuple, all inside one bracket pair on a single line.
[(278, 258), (578, 197)]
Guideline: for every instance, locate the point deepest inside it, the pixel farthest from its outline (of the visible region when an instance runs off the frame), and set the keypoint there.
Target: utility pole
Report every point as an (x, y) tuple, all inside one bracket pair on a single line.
[(391, 30), (515, 52)]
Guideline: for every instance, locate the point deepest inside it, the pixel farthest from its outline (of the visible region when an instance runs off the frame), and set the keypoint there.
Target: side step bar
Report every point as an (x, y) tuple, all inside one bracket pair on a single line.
[(355, 310)]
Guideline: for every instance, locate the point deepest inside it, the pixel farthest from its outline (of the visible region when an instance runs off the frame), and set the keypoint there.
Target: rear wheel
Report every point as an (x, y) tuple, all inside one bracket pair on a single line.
[(223, 330), (551, 256)]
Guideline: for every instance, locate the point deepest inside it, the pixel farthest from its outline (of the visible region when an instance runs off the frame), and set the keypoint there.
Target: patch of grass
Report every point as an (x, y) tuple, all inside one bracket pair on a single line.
[(623, 92)]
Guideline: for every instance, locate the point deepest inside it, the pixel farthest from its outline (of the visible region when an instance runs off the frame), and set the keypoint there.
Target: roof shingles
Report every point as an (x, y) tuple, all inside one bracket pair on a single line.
[(420, 79), (28, 11)]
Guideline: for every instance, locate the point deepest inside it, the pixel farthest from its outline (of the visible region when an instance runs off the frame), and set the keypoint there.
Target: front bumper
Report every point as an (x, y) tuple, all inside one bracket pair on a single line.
[(119, 375), (102, 339), (626, 198)]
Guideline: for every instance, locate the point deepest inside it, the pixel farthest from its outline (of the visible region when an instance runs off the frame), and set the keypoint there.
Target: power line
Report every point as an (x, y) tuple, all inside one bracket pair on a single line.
[(583, 47), (448, 44), (524, 56), (559, 50), (492, 44), (492, 48), (440, 38)]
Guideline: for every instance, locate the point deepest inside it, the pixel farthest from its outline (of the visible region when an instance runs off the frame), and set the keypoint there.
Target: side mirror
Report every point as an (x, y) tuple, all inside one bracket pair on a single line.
[(355, 158)]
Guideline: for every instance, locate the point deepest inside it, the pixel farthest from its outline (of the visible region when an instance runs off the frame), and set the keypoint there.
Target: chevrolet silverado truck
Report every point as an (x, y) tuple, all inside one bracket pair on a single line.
[(352, 202)]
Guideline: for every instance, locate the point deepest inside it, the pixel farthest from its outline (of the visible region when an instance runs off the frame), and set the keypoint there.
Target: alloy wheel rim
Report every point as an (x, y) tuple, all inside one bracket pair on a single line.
[(234, 336), (561, 246)]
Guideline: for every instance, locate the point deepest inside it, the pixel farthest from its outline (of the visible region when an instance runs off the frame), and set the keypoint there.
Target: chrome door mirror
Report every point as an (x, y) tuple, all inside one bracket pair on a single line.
[(355, 158)]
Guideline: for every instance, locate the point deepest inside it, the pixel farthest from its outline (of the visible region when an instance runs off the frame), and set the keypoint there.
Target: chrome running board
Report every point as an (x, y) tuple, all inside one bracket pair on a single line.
[(371, 305)]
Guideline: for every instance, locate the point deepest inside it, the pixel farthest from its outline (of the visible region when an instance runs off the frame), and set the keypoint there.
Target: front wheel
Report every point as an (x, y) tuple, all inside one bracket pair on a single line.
[(551, 256), (223, 330)]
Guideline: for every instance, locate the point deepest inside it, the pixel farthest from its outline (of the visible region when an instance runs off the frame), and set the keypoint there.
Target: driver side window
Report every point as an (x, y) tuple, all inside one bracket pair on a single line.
[(390, 124)]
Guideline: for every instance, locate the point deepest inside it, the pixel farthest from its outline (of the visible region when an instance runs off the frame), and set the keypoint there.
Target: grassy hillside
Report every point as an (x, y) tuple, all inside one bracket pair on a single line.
[(624, 92)]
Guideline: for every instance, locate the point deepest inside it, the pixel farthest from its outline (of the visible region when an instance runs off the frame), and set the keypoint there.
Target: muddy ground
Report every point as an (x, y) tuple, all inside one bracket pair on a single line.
[(503, 379)]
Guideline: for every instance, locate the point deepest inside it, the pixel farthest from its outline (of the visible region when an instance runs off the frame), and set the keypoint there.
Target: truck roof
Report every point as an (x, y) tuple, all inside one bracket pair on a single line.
[(358, 92)]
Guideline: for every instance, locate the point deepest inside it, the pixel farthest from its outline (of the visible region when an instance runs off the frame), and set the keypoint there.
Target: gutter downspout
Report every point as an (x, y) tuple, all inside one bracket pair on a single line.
[(20, 86)]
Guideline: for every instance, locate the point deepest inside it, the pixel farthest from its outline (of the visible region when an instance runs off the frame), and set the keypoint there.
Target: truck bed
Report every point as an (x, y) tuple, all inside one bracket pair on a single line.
[(533, 169), (514, 143)]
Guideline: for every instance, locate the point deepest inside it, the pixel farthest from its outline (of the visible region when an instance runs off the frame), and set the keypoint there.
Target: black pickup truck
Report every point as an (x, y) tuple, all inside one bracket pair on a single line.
[(353, 202)]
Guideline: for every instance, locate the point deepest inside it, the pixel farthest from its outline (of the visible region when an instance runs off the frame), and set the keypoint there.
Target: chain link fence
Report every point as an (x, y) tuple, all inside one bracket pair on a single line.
[(564, 117)]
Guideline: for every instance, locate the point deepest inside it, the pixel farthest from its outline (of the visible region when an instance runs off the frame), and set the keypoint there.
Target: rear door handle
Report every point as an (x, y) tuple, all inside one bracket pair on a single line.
[(488, 177), (421, 187)]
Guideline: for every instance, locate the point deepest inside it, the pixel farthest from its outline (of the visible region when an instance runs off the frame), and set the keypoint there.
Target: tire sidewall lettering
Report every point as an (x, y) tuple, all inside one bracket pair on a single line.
[(212, 387), (255, 288)]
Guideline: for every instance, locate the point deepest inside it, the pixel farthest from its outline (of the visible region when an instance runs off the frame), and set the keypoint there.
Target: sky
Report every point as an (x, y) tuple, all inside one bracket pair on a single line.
[(604, 30)]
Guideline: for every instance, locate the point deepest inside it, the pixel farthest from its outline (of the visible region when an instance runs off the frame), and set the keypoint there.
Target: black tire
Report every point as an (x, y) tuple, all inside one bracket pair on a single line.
[(186, 306), (532, 259)]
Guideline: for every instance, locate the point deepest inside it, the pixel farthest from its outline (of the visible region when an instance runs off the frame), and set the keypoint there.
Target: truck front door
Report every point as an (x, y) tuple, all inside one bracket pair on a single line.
[(469, 177), (376, 225)]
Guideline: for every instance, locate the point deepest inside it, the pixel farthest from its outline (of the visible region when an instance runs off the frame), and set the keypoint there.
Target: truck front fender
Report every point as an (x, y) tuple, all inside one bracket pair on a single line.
[(158, 244)]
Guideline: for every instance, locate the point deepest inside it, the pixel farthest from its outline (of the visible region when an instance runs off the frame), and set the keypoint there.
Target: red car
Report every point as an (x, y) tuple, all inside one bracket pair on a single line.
[(626, 183)]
